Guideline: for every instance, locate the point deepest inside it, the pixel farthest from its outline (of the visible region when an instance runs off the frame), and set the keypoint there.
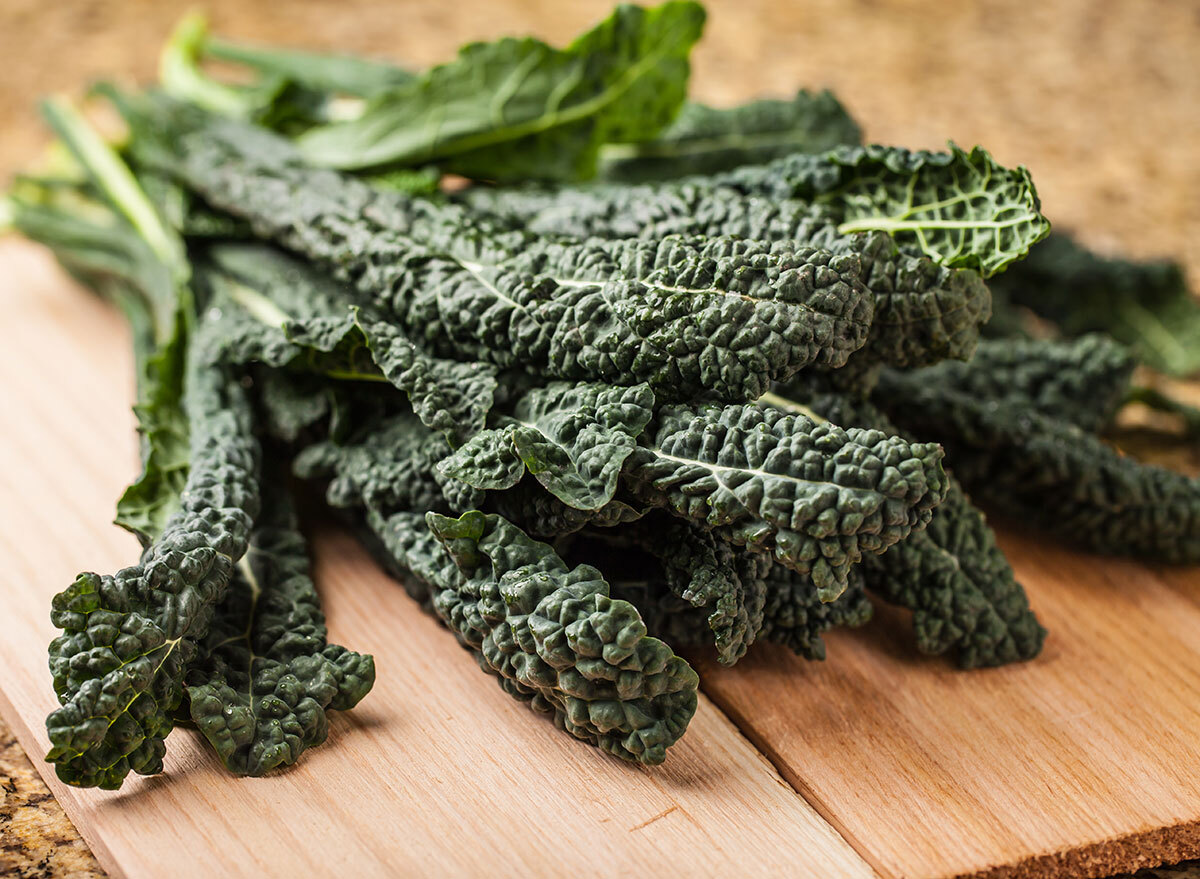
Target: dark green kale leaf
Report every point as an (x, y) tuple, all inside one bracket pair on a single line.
[(1146, 305), (119, 665), (1050, 474), (719, 318), (924, 312), (543, 516), (552, 634), (265, 676), (519, 109), (268, 307), (795, 616), (692, 588), (952, 576), (573, 439), (962, 210), (1083, 381), (704, 140), (390, 467), (815, 496)]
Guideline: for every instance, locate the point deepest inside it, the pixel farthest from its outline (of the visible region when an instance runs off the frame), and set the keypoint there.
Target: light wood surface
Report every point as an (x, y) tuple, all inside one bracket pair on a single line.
[(1079, 764), (436, 773), (1070, 765)]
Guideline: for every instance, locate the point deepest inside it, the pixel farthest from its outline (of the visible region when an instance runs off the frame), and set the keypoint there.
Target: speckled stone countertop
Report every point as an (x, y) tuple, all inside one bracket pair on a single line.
[(37, 840), (1100, 98)]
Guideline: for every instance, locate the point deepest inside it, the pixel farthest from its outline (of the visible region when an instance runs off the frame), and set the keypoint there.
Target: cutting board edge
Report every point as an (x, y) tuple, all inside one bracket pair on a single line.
[(1095, 859), (1107, 857)]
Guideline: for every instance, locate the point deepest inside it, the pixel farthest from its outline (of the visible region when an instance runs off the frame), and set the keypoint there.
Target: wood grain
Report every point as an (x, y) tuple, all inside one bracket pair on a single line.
[(1079, 764), (437, 773), (1084, 762)]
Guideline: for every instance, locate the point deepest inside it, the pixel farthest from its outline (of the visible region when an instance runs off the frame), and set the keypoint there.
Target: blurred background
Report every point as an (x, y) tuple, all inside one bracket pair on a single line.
[(1099, 98)]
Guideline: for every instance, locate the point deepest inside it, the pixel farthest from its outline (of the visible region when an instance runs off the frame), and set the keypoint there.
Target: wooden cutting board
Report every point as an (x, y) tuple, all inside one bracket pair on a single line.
[(879, 762)]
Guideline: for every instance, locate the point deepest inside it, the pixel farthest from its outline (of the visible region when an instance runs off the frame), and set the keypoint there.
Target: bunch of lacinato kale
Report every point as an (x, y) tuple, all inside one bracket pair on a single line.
[(698, 402)]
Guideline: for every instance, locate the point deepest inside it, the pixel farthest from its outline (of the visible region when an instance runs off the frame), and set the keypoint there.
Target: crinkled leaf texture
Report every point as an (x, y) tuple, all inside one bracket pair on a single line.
[(704, 139), (961, 209), (265, 676), (271, 308), (1146, 305), (718, 318), (1050, 474), (543, 516), (573, 439), (924, 311), (691, 587), (519, 109), (388, 468), (552, 634), (795, 616), (952, 575), (814, 495), (119, 665), (1083, 381)]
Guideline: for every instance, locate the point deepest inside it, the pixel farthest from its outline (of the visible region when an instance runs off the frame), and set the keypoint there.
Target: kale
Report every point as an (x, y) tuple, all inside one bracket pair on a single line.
[(389, 467), (924, 311), (704, 140), (813, 495), (551, 633), (719, 316), (574, 439), (692, 588), (1049, 473), (265, 676), (548, 112), (717, 384), (130, 641), (266, 307), (1145, 305), (119, 665), (1083, 381), (952, 576), (795, 616), (960, 209)]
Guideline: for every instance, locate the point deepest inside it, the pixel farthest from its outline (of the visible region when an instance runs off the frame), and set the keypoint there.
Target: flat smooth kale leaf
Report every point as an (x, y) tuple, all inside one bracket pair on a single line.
[(703, 139), (551, 633), (265, 676), (1050, 474), (119, 665), (519, 109), (795, 616), (271, 308), (719, 318), (815, 496), (692, 588), (573, 439), (1146, 305), (389, 467), (1083, 381), (952, 575)]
